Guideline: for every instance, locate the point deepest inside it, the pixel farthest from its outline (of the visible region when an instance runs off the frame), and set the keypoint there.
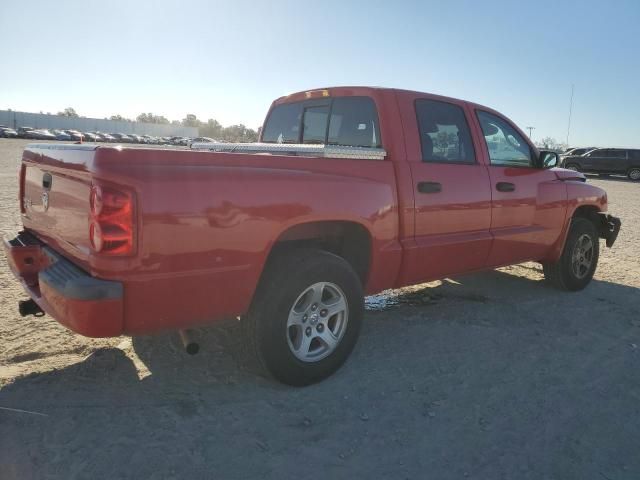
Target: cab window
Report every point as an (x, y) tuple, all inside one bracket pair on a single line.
[(505, 145), (345, 121), (444, 132)]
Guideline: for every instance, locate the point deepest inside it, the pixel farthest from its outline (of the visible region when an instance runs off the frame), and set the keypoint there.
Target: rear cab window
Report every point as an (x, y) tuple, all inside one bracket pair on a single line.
[(343, 121)]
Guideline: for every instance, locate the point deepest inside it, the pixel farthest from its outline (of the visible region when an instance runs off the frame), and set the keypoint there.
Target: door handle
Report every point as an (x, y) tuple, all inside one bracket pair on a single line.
[(429, 187), (505, 187)]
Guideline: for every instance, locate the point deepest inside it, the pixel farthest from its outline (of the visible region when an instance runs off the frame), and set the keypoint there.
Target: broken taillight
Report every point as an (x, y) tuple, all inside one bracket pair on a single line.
[(111, 229)]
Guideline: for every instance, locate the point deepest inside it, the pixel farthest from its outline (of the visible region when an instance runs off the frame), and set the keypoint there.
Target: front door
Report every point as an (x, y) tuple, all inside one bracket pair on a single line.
[(528, 210)]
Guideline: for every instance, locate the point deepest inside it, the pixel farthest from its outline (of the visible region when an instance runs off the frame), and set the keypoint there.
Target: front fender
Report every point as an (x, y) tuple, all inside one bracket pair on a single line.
[(592, 200)]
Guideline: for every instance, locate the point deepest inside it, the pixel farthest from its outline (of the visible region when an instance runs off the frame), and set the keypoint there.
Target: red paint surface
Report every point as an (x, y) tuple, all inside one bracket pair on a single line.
[(206, 222)]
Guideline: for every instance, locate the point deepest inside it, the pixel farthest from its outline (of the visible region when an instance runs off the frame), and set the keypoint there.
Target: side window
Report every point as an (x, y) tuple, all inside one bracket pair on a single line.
[(619, 154), (506, 146), (444, 132), (354, 122)]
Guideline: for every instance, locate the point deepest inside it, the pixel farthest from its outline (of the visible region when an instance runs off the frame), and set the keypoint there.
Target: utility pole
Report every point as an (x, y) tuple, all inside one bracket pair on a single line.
[(530, 131), (570, 109)]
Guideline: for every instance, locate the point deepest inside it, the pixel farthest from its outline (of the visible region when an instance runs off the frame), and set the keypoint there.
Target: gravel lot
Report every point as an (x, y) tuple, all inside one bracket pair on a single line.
[(488, 376)]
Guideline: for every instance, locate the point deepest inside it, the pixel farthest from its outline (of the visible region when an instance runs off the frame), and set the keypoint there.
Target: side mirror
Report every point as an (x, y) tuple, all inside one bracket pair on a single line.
[(549, 159)]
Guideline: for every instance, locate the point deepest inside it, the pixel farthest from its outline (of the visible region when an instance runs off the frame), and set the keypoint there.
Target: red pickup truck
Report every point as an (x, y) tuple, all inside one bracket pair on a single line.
[(350, 191)]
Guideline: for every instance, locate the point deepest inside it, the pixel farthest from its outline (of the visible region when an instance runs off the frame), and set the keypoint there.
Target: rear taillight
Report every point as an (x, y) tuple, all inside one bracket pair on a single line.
[(111, 230)]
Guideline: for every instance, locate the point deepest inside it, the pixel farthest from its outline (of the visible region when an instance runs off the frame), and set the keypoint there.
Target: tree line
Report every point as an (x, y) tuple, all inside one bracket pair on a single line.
[(211, 128)]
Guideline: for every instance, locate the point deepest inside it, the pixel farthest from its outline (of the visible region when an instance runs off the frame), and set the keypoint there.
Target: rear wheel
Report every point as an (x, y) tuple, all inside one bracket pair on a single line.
[(577, 264), (306, 316), (634, 174)]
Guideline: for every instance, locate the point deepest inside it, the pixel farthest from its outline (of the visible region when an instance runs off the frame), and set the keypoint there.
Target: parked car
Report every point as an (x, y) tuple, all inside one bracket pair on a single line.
[(75, 135), (122, 138), (61, 135), (7, 132), (290, 242), (90, 137), (22, 131), (576, 151), (201, 140), (605, 161), (40, 134), (107, 137), (179, 141)]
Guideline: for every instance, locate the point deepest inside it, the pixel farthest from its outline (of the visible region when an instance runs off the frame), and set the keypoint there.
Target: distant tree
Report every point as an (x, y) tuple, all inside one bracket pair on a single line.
[(69, 112), (239, 133), (119, 118), (191, 121), (211, 129), (550, 143), (442, 141), (151, 118)]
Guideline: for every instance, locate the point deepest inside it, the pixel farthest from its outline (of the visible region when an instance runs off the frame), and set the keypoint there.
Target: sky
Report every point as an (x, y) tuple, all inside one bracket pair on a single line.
[(228, 60)]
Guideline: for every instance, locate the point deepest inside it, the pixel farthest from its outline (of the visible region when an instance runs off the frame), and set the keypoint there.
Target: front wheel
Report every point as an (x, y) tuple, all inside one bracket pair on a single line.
[(573, 166), (634, 174), (577, 264), (306, 316)]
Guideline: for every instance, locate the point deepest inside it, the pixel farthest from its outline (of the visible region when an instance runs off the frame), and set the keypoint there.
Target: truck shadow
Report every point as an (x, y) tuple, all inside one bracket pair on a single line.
[(461, 346)]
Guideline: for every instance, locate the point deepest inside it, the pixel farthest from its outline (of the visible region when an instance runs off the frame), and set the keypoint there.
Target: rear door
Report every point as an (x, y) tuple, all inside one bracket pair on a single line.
[(527, 211), (452, 213)]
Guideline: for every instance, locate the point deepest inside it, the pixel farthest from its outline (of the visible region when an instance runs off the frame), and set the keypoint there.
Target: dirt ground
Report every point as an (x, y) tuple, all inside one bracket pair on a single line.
[(490, 376)]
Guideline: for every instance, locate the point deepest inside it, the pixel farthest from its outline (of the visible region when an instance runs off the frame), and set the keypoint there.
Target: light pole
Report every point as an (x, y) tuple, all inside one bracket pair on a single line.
[(531, 129), (570, 111)]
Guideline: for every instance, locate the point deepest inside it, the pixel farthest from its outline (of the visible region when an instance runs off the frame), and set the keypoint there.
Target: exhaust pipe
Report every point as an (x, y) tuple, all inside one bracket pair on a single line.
[(29, 307), (188, 342)]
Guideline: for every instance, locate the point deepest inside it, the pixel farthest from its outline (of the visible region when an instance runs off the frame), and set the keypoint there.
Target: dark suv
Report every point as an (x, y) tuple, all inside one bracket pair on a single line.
[(607, 160)]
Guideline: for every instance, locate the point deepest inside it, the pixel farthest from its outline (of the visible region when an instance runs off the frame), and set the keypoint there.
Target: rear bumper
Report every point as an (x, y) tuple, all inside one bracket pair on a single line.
[(80, 302)]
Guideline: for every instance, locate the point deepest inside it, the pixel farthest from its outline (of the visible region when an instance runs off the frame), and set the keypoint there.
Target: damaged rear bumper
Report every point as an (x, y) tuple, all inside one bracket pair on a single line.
[(90, 306)]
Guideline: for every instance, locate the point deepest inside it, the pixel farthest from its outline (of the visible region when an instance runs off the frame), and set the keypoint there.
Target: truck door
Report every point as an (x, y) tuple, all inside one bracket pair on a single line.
[(528, 202), (452, 213)]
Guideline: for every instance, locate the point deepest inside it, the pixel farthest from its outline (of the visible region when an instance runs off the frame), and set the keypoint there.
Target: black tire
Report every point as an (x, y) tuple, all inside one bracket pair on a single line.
[(634, 174), (572, 166), (561, 273), (265, 326)]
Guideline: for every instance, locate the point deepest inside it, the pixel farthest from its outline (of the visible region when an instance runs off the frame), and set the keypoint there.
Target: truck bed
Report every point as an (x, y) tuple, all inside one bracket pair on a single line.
[(203, 220)]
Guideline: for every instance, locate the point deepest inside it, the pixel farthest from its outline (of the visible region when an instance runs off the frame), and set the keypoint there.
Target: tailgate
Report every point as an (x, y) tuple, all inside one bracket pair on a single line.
[(55, 196)]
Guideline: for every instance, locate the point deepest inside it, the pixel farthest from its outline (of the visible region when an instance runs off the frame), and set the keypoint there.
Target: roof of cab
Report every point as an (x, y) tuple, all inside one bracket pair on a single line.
[(360, 90)]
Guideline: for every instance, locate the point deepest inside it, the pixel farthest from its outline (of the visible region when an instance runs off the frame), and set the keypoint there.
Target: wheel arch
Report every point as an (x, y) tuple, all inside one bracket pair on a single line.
[(347, 239)]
